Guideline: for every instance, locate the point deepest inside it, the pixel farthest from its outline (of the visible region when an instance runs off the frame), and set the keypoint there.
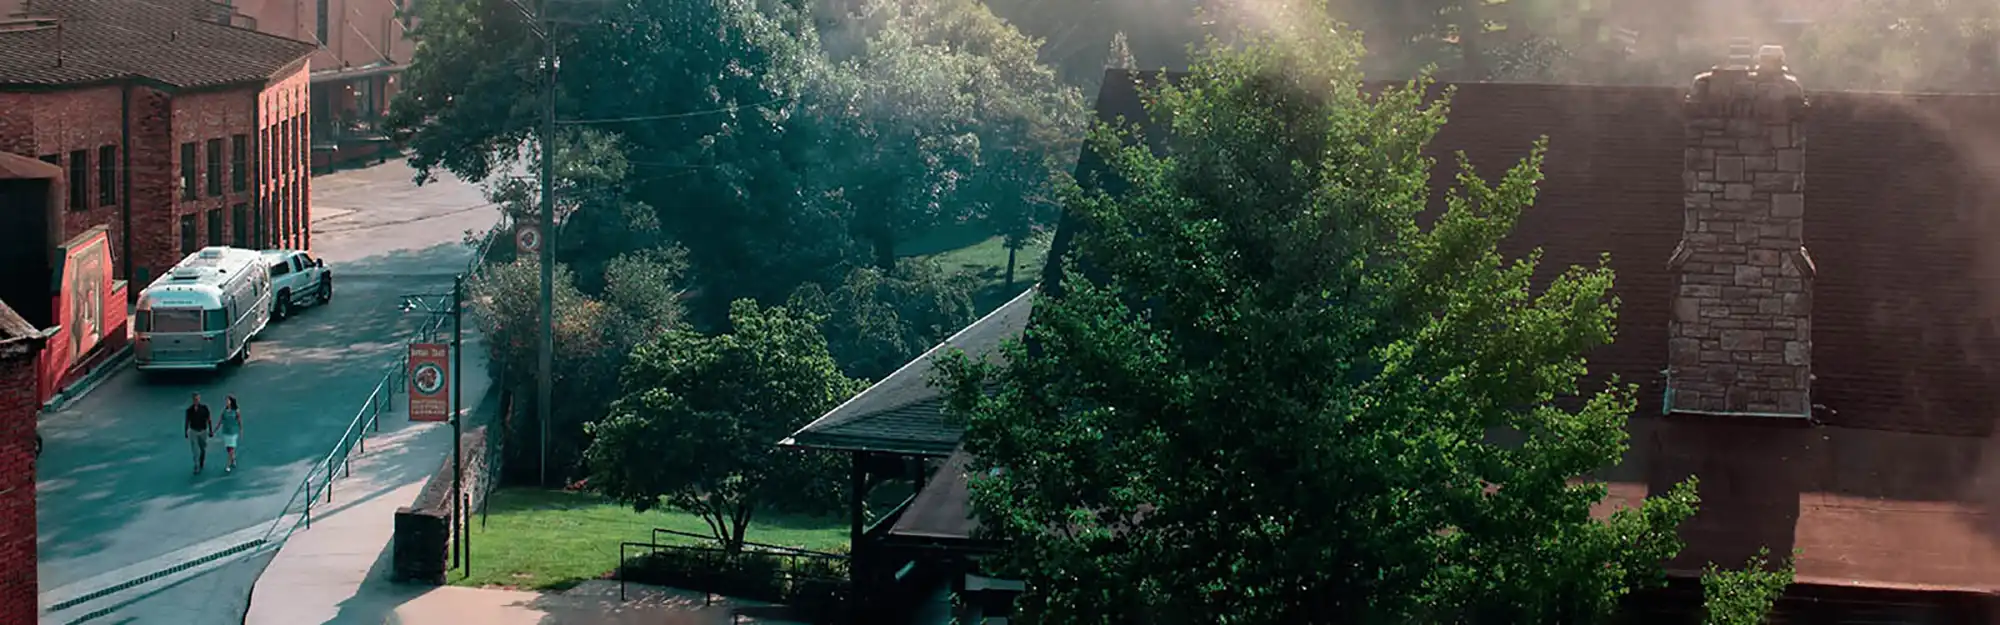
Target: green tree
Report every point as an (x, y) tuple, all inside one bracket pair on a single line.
[(1904, 45), (875, 321), (951, 119), (697, 113), (1743, 597), (505, 300), (1265, 394), (695, 427)]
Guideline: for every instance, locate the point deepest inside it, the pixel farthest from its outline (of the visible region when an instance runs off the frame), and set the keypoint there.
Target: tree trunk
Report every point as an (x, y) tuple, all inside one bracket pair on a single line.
[(1012, 249)]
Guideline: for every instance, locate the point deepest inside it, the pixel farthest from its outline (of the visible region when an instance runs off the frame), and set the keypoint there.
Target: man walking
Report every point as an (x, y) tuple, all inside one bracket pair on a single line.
[(197, 430)]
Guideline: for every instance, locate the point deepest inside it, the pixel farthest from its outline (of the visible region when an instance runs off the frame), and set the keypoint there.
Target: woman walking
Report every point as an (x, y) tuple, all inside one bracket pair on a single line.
[(230, 427)]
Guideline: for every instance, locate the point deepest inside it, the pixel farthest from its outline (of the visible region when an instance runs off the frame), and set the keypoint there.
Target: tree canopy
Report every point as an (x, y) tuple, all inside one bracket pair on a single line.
[(696, 425), (1265, 394)]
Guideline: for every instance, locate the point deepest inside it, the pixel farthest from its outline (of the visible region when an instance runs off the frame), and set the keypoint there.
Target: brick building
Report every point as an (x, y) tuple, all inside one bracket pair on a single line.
[(174, 131), (363, 46), (1836, 402), (19, 342)]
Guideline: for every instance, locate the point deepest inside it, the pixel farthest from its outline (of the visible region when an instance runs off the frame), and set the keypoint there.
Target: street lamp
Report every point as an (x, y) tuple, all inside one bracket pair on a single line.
[(439, 304)]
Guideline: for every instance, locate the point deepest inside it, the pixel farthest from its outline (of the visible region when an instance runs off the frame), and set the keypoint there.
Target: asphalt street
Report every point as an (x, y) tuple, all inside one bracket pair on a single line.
[(116, 483)]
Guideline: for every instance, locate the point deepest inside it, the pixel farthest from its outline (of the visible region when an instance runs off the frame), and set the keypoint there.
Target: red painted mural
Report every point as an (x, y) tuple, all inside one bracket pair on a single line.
[(90, 306)]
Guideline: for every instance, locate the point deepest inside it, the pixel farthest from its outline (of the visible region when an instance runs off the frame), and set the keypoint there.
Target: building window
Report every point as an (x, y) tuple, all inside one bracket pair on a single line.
[(188, 234), (52, 159), (239, 225), (214, 173), (215, 226), (187, 170), (239, 163), (323, 22), (107, 175), (79, 180), (278, 217)]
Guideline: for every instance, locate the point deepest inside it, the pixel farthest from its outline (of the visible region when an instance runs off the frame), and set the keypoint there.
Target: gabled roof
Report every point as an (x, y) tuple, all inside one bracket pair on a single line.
[(1896, 490), (904, 412), (169, 42), (17, 336)]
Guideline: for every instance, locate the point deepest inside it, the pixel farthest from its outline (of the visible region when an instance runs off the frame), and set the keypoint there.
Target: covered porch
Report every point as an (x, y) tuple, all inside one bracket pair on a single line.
[(348, 109), (910, 558)]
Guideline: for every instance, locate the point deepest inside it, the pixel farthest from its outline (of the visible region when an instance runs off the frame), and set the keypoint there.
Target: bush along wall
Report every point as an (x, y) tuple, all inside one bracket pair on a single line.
[(814, 587)]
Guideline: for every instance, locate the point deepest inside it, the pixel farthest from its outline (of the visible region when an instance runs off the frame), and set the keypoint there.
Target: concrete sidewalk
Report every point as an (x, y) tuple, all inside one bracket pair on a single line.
[(594, 602), (337, 570)]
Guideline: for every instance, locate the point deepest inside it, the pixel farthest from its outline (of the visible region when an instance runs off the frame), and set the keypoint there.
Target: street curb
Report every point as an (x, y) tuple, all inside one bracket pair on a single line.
[(90, 381)]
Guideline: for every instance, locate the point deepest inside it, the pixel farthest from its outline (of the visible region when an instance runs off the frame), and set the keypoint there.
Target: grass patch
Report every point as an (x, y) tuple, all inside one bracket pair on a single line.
[(986, 258), (551, 540)]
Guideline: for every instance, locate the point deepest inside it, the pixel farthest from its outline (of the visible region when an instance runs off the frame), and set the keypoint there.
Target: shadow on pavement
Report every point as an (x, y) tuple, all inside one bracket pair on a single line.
[(115, 482), (444, 259)]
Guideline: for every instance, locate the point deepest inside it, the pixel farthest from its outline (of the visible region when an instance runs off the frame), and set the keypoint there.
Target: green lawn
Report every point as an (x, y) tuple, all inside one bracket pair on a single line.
[(540, 539), (973, 248)]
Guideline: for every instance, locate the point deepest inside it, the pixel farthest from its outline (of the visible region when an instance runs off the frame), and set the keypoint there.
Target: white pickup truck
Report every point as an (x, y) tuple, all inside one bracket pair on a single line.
[(300, 280)]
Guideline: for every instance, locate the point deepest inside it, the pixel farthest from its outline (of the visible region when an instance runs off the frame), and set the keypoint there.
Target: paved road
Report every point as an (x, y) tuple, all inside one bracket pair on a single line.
[(115, 481)]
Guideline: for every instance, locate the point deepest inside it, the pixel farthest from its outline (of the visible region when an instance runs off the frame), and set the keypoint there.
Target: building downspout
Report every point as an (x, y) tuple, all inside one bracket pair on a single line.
[(125, 181), (256, 162)]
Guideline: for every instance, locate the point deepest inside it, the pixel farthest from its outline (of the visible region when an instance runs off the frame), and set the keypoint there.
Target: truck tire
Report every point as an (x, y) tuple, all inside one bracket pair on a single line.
[(325, 289), (283, 307)]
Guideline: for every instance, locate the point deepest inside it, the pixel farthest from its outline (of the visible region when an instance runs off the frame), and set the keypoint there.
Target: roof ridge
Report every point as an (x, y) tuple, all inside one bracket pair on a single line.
[(310, 47)]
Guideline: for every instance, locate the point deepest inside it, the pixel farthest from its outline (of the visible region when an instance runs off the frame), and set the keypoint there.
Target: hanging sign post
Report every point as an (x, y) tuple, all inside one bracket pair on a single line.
[(429, 374)]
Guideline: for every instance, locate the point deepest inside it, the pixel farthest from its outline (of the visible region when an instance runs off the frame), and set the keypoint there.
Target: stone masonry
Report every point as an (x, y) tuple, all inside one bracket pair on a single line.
[(1740, 339)]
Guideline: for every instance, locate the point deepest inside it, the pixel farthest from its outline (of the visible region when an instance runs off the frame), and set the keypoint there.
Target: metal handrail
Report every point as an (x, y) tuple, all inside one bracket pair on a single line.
[(367, 419)]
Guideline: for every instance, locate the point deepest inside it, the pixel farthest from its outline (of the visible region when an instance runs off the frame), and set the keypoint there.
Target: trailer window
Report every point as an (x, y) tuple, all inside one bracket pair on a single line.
[(173, 320), (217, 320), (144, 323)]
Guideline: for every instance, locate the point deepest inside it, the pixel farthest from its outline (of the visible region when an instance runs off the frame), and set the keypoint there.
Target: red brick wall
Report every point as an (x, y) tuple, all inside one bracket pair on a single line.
[(199, 118), (18, 405), (38, 124), (154, 246), (284, 124)]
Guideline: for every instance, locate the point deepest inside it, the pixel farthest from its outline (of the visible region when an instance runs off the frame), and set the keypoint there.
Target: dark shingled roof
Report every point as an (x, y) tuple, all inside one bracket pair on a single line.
[(168, 42), (17, 336), (1897, 489), (939, 510), (904, 413)]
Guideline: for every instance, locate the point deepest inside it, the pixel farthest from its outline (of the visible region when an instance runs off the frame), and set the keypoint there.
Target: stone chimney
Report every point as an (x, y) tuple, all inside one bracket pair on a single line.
[(1740, 339)]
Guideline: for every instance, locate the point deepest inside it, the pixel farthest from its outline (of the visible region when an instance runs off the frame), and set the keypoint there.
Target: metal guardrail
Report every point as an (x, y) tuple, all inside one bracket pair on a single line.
[(791, 555), (365, 421), (318, 481)]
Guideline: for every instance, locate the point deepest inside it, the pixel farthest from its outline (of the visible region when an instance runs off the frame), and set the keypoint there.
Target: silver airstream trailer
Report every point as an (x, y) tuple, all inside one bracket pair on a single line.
[(204, 311)]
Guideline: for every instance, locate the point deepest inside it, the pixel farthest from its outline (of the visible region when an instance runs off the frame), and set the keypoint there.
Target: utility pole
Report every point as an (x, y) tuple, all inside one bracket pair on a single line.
[(544, 383), (457, 431)]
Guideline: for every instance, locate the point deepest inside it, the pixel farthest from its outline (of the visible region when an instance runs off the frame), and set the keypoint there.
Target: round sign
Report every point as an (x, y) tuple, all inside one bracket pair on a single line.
[(429, 378), (528, 239)]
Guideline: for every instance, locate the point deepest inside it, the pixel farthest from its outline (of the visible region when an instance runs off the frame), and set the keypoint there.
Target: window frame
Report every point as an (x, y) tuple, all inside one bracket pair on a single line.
[(239, 224), (239, 163), (190, 234), (215, 226), (189, 158), (78, 171), (107, 175), (212, 178)]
